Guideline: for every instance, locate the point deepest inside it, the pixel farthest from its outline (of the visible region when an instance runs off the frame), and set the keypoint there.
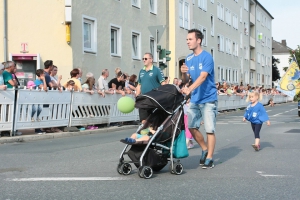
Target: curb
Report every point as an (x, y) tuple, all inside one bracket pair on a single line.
[(27, 138)]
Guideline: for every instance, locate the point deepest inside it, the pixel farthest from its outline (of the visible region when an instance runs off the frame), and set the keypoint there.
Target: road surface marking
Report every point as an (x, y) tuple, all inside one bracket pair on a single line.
[(261, 173), (68, 179)]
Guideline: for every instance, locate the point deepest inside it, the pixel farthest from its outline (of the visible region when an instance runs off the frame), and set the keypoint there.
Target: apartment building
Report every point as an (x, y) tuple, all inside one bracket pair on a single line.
[(103, 34), (114, 33), (229, 28)]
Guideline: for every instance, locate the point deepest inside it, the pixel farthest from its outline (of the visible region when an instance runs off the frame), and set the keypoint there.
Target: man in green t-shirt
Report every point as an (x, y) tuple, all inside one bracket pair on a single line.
[(150, 77), (10, 66)]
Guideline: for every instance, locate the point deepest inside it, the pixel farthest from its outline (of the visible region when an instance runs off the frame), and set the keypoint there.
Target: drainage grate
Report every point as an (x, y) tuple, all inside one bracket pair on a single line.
[(293, 131)]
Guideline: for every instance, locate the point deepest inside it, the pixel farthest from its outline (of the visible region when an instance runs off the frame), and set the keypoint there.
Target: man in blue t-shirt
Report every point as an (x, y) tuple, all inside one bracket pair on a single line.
[(199, 66), (150, 77)]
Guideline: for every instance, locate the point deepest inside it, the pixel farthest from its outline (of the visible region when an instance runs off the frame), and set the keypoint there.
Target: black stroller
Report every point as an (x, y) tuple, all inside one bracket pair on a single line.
[(166, 107)]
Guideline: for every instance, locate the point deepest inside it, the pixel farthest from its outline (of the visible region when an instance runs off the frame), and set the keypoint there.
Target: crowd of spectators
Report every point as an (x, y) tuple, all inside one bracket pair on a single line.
[(121, 83)]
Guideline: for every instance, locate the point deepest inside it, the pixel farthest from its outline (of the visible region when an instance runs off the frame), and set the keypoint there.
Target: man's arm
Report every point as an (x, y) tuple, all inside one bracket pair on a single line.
[(198, 81), (184, 76), (138, 90), (13, 83)]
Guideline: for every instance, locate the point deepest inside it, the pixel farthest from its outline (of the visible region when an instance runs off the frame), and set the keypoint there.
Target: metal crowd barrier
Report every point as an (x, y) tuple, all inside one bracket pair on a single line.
[(7, 99), (61, 109), (55, 107), (94, 109)]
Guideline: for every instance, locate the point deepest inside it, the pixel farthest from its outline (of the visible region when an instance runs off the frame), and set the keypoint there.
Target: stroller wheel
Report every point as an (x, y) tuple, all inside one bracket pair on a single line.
[(178, 168), (119, 169), (147, 172), (140, 172), (126, 168)]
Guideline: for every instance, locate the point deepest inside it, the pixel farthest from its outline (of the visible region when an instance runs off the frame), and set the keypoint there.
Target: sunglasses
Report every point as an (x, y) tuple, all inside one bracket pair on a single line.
[(146, 58)]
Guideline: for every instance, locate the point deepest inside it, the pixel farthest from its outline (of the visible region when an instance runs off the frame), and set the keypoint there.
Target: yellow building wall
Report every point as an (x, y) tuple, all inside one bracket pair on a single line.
[(172, 41), (1, 33), (40, 23)]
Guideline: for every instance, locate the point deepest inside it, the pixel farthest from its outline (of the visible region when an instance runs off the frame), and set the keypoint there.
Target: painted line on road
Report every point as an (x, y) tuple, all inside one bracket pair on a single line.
[(277, 114), (221, 123), (240, 123), (270, 175), (68, 179), (261, 173), (269, 110)]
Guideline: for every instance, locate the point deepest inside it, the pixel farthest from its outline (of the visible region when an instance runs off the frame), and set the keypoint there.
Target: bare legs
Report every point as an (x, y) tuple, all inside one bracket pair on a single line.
[(211, 141)]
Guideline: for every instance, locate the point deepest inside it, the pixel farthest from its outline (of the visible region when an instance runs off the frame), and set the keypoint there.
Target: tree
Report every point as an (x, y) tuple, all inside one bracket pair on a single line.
[(297, 54), (275, 71)]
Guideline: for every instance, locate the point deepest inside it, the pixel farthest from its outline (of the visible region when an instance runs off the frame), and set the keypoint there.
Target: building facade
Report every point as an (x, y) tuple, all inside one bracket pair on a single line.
[(104, 34), (229, 28), (282, 52), (114, 33)]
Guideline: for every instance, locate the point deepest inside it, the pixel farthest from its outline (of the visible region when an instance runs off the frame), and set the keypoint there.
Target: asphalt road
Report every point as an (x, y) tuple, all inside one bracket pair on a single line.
[(84, 167)]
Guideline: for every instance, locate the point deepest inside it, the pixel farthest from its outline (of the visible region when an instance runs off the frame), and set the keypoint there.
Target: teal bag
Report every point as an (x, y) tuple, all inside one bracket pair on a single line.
[(180, 149)]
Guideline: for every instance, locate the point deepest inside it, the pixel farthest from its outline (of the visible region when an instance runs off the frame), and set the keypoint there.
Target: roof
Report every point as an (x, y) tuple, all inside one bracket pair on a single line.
[(264, 9), (278, 47)]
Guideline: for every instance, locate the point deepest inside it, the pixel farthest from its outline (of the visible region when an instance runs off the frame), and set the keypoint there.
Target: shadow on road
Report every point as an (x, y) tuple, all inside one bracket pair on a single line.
[(265, 145), (225, 154)]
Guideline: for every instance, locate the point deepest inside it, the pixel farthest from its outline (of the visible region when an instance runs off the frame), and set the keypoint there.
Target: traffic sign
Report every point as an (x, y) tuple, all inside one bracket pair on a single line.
[(157, 31)]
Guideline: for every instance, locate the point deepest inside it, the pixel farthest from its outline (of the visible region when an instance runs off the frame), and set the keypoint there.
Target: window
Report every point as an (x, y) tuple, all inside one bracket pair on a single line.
[(233, 48), (246, 4), (251, 77), (221, 43), (262, 20), (246, 28), (228, 16), (153, 6), (235, 23), (136, 3), (241, 40), (220, 11), (186, 15), (212, 52), (181, 13), (204, 42), (212, 29), (258, 58), (258, 15), (115, 40), (89, 34), (136, 43), (229, 75), (262, 60), (258, 78), (202, 4), (241, 14), (258, 33)]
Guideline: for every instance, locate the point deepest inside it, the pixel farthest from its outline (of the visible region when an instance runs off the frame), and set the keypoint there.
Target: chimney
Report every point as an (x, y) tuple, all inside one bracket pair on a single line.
[(283, 42)]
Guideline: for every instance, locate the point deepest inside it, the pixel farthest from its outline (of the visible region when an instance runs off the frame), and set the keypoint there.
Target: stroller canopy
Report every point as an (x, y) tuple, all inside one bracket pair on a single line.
[(166, 97)]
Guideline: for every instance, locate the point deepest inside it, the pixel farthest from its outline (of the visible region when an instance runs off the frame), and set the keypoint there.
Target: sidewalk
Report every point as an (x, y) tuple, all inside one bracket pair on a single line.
[(28, 136)]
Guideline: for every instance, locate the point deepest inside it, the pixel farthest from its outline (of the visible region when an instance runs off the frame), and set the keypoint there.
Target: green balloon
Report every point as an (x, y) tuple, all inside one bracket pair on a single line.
[(125, 104)]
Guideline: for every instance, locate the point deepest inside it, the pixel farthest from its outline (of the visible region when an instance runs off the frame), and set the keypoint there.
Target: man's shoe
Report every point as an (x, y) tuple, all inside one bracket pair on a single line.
[(203, 157), (209, 163)]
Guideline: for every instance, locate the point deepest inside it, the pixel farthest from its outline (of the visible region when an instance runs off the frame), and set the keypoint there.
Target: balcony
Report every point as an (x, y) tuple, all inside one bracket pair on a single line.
[(252, 19), (252, 42), (252, 64)]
